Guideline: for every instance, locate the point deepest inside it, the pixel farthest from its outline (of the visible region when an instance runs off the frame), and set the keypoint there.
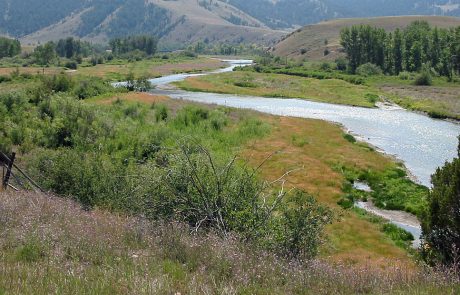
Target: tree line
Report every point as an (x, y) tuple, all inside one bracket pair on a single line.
[(9, 47), (409, 49), (75, 49), (144, 43)]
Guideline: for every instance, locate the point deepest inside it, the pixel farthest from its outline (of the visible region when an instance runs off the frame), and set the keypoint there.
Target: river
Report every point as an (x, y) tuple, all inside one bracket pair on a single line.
[(422, 143)]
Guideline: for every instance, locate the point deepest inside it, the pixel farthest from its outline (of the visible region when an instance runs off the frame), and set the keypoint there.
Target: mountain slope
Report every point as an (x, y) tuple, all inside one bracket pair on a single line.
[(178, 21), (309, 42)]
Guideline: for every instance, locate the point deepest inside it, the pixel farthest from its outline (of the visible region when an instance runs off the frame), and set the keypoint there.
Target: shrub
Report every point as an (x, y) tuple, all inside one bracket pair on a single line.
[(218, 120), (423, 79), (92, 87), (209, 193), (341, 63), (325, 66), (405, 76), (350, 138), (190, 115), (5, 79), (372, 98), (245, 84), (71, 65), (368, 69), (161, 112)]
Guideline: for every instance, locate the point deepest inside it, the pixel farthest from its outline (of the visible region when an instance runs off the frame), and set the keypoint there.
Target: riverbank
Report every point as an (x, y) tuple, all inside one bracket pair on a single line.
[(283, 86)]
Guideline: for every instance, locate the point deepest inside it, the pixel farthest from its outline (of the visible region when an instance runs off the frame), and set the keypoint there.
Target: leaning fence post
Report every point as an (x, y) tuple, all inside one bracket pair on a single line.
[(8, 171)]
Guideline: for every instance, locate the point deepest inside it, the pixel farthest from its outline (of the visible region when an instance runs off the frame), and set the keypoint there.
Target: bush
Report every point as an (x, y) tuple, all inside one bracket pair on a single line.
[(58, 83), (245, 84), (350, 138), (423, 79), (91, 88), (368, 69), (161, 112), (341, 63), (71, 65), (405, 76), (227, 199)]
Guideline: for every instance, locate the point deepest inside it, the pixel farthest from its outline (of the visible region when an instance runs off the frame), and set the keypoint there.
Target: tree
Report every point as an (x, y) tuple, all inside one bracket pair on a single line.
[(441, 222), (398, 52), (45, 54), (9, 47)]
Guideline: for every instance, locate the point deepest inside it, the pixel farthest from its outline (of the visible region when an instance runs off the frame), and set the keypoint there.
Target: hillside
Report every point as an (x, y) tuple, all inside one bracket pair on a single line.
[(176, 22), (312, 39), (291, 13), (185, 21)]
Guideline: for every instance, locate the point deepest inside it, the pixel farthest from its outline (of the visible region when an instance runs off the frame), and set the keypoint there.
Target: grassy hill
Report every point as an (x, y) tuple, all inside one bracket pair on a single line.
[(311, 40)]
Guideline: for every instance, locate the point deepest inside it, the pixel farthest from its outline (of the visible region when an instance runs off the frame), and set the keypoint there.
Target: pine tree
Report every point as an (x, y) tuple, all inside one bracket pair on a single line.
[(441, 222)]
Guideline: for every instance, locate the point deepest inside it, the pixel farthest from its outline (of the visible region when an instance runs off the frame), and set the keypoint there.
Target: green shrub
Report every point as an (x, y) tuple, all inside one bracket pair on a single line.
[(71, 65), (92, 87), (190, 115), (372, 98), (423, 79), (405, 76), (245, 84), (368, 69), (350, 138), (342, 64), (161, 112)]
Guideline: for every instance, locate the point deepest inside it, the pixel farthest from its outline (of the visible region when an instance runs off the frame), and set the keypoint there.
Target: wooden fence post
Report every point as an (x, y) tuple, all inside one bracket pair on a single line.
[(6, 180)]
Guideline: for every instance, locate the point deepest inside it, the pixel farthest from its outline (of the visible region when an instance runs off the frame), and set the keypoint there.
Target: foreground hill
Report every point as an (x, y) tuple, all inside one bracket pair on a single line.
[(50, 245), (311, 41), (98, 20)]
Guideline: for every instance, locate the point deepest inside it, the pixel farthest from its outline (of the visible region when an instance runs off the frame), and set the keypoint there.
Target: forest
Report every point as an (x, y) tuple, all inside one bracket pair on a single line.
[(403, 50)]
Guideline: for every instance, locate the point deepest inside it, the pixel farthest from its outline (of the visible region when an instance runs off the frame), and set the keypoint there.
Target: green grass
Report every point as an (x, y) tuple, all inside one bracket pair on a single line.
[(279, 85), (400, 237)]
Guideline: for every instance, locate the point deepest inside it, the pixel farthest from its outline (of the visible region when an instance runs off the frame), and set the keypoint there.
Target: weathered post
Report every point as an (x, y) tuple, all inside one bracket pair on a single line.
[(9, 166)]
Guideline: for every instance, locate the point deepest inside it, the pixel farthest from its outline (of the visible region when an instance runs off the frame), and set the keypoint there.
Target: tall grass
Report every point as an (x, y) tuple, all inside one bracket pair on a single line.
[(50, 245)]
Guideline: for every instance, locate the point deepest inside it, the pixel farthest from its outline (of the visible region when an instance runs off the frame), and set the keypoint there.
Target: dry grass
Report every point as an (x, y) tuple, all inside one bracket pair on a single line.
[(31, 70), (434, 100), (50, 245)]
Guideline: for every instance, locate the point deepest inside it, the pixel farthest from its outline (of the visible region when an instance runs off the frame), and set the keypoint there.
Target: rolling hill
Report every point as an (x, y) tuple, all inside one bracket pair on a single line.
[(309, 42)]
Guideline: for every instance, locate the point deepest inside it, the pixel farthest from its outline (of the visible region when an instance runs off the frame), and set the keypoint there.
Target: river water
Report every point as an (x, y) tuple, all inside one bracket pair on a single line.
[(422, 143)]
